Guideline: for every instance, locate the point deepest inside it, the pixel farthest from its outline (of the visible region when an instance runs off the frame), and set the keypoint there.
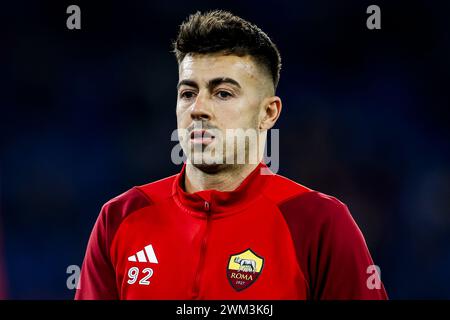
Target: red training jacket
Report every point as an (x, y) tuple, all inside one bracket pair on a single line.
[(271, 238)]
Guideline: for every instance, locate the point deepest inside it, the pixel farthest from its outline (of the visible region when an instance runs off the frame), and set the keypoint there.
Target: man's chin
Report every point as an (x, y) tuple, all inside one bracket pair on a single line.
[(209, 167)]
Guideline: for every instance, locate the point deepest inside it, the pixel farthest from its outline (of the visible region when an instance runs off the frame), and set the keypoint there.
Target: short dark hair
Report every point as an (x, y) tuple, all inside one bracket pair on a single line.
[(220, 31)]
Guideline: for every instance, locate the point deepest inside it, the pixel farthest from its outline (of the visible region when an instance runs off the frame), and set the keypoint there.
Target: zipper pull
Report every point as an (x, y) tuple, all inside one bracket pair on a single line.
[(206, 206)]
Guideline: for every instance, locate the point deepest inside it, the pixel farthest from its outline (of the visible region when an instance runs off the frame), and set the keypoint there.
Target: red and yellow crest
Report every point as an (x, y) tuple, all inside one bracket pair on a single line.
[(243, 269)]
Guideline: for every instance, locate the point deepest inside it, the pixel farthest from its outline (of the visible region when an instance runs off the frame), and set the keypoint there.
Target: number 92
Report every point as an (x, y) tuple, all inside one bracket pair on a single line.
[(133, 275)]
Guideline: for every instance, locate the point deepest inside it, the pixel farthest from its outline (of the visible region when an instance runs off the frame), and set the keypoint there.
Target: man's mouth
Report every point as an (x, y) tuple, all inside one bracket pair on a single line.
[(201, 136)]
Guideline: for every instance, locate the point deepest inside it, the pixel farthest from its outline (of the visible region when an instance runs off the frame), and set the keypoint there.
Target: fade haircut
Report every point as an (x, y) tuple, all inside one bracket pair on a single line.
[(220, 31)]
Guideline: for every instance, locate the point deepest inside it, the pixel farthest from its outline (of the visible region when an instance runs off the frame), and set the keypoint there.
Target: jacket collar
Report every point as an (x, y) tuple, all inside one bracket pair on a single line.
[(218, 203)]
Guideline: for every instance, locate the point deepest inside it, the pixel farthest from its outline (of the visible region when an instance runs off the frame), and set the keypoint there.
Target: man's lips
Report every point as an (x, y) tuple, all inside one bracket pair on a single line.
[(201, 136)]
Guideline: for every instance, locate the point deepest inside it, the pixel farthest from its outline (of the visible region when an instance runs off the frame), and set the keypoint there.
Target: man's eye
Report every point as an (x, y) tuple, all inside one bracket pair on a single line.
[(224, 94), (187, 95)]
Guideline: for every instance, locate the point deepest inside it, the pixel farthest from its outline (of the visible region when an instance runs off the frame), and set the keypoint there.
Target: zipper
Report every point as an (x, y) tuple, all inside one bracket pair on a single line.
[(201, 264)]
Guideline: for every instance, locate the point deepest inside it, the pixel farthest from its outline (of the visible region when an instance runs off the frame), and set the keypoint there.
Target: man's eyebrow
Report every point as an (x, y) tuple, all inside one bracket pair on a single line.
[(189, 83), (211, 83), (216, 81)]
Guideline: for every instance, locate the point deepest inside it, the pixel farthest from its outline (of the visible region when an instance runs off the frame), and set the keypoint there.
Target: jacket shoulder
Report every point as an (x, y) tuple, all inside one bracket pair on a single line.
[(138, 197), (114, 211), (158, 190), (295, 199), (280, 189), (315, 207)]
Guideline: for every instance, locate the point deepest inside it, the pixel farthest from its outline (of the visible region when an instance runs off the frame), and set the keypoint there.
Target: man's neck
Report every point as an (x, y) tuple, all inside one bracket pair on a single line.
[(224, 180)]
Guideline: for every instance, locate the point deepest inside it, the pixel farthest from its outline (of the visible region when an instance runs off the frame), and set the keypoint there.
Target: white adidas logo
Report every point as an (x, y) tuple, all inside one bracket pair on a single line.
[(143, 255)]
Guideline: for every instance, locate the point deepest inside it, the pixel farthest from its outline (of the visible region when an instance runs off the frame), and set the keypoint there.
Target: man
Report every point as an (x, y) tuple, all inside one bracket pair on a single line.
[(224, 228)]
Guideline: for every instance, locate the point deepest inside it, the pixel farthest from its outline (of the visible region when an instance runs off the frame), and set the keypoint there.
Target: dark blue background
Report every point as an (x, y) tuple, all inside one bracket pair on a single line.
[(87, 114)]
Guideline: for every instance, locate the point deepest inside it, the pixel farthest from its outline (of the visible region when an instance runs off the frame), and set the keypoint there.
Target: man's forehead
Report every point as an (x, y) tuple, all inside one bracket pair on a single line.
[(217, 65)]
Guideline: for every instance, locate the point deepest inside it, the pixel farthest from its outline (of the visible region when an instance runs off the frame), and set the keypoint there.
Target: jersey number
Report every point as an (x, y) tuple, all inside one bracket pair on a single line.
[(133, 274)]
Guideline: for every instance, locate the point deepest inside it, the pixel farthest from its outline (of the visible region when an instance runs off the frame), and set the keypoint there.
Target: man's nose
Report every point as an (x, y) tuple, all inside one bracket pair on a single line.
[(200, 109)]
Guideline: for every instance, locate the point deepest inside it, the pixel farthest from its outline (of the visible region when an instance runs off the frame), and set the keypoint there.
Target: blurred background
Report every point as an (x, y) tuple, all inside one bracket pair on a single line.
[(87, 114)]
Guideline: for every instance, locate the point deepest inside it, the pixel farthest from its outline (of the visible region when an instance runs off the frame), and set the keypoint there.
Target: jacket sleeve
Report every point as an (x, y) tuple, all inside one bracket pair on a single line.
[(97, 279), (341, 263), (331, 250)]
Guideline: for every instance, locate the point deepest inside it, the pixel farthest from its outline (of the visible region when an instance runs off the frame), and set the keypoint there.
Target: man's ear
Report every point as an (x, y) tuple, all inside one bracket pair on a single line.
[(270, 113)]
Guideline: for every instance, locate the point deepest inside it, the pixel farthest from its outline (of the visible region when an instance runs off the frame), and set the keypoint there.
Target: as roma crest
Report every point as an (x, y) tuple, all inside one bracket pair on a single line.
[(243, 269)]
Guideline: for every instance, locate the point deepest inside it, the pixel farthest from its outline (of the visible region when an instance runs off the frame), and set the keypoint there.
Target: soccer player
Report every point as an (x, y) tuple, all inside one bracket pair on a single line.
[(224, 228)]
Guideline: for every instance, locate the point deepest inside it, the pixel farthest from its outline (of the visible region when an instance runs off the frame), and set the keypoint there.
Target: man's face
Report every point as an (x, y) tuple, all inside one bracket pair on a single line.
[(217, 93)]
